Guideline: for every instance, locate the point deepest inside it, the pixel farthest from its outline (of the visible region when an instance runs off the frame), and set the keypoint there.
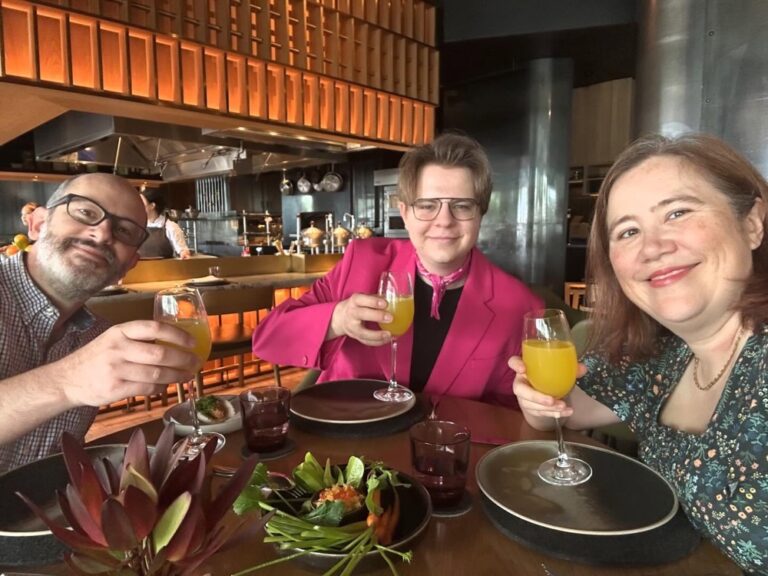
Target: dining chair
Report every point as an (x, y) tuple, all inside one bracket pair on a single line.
[(234, 338), (574, 294), (117, 310)]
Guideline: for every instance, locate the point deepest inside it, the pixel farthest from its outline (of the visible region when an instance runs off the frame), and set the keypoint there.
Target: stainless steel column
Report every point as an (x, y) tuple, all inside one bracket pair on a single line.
[(703, 66), (523, 121)]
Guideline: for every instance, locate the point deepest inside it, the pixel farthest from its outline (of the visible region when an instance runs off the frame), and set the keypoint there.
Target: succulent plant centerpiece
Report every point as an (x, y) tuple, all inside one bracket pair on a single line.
[(149, 516)]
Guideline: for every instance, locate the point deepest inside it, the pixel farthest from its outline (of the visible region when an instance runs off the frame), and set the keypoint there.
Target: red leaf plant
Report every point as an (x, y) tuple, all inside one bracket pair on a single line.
[(150, 517)]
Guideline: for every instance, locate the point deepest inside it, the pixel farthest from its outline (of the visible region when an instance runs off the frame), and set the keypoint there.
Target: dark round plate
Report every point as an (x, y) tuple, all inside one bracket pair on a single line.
[(415, 513), (625, 514), (624, 496), (24, 539), (346, 402), (338, 420)]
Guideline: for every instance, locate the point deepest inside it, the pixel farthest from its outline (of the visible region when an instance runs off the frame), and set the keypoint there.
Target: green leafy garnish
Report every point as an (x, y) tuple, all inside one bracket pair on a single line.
[(327, 514), (317, 527), (253, 493), (309, 474), (355, 471)]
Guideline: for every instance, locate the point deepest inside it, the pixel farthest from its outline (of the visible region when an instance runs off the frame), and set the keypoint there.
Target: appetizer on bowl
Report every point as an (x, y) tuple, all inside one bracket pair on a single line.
[(213, 409), (220, 413), (357, 517)]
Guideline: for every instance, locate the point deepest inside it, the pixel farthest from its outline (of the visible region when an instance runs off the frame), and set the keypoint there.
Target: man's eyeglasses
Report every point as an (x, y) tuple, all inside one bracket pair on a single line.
[(90, 213), (461, 208)]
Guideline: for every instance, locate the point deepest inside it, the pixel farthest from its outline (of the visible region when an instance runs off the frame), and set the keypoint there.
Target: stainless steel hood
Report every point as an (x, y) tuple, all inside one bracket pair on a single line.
[(172, 152)]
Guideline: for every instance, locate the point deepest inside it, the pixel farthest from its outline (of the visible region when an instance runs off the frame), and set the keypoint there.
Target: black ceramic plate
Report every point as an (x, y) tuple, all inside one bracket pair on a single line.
[(347, 409), (415, 512), (347, 402), (624, 496), (24, 539), (626, 513)]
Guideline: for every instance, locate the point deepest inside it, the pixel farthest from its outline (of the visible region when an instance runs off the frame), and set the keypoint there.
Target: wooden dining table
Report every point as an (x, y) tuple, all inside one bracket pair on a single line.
[(459, 546)]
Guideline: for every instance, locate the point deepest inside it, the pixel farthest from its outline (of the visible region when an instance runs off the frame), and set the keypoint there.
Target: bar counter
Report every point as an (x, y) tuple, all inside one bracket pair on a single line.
[(277, 272)]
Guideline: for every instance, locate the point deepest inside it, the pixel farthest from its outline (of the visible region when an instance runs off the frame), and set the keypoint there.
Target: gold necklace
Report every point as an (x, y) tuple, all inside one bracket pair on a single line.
[(715, 380)]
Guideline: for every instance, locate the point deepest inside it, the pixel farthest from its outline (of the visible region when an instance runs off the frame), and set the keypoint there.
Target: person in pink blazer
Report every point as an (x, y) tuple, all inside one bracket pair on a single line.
[(463, 332)]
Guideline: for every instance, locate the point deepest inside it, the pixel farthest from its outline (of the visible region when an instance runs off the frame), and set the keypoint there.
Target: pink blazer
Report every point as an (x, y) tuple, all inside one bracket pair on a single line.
[(484, 333)]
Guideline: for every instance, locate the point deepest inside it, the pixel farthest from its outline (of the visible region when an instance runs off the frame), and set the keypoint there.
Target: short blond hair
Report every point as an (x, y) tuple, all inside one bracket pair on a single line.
[(449, 150)]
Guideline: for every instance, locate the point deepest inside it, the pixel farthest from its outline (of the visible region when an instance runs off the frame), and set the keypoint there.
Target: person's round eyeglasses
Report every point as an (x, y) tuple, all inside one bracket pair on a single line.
[(91, 213), (461, 208)]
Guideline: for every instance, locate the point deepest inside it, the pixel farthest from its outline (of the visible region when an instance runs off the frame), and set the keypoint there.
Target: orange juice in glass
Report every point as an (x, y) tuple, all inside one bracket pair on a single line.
[(401, 309), (183, 307), (199, 330), (550, 365), (396, 287)]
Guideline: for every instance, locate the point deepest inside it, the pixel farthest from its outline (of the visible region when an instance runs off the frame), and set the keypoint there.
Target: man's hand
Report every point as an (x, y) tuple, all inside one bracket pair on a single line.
[(350, 315), (126, 361)]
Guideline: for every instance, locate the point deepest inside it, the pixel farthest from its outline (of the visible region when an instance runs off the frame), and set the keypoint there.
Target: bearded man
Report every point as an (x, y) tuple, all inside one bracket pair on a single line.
[(58, 362)]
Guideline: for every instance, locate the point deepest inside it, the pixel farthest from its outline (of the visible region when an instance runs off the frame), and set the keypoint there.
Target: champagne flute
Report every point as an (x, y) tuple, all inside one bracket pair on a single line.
[(183, 307), (551, 365), (397, 288)]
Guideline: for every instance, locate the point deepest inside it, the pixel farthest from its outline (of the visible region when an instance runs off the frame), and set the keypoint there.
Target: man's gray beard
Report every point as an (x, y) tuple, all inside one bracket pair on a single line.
[(73, 283)]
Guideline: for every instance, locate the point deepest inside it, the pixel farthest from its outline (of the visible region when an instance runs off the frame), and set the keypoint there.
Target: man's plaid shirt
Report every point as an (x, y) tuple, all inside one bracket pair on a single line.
[(27, 319)]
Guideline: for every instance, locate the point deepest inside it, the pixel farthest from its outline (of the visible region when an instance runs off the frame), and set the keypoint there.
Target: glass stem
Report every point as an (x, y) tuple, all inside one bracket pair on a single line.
[(393, 366), (563, 461), (198, 431)]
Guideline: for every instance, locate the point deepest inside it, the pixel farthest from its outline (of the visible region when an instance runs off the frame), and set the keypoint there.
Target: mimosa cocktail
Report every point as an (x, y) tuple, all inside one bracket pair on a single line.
[(397, 288), (184, 309), (551, 367), (197, 328), (402, 316)]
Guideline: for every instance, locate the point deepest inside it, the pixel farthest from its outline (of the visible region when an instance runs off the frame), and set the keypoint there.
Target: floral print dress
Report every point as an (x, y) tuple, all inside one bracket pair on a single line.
[(720, 476)]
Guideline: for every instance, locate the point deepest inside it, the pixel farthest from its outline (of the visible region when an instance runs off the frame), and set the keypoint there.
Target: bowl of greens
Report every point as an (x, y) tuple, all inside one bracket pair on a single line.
[(348, 519)]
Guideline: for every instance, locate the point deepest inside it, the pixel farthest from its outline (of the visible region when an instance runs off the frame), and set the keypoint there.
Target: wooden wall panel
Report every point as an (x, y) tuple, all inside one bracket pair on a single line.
[(353, 67)]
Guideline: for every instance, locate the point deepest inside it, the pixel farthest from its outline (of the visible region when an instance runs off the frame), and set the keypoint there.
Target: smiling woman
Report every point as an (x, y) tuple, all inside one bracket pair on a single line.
[(679, 260), (679, 251)]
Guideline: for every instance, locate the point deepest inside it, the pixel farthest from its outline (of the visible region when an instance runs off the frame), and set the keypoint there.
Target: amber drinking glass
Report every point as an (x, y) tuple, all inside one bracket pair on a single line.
[(397, 288), (551, 366), (183, 307)]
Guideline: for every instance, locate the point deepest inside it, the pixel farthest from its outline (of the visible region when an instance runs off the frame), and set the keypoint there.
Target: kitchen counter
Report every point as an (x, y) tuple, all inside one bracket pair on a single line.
[(282, 280), (277, 272)]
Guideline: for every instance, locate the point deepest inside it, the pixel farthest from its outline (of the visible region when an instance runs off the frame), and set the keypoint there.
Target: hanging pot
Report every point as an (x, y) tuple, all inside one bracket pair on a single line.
[(332, 181), (286, 186), (303, 185)]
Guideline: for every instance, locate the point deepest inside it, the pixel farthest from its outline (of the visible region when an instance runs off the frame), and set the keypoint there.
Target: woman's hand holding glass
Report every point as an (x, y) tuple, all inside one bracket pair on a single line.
[(533, 403)]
